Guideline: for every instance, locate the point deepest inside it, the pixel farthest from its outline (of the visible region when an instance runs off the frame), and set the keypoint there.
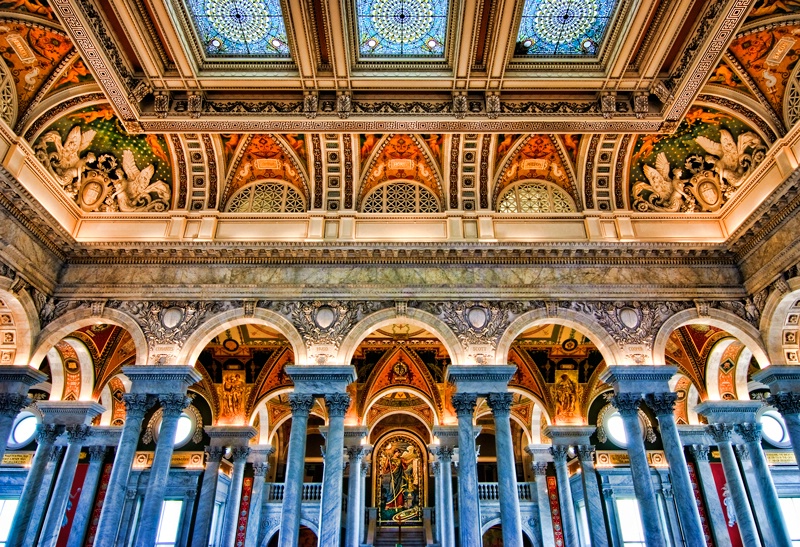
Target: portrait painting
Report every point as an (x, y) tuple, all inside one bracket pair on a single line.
[(400, 480)]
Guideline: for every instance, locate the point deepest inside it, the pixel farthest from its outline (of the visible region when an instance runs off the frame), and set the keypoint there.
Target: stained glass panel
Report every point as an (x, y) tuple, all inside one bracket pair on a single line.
[(563, 27), (402, 28), (235, 28)]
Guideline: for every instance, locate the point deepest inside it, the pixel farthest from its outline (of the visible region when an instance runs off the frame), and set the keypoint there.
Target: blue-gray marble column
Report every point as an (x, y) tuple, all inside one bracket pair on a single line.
[(330, 519), (714, 508), (468, 510), (76, 435), (10, 406), (628, 406), (355, 455), (45, 437), (295, 466), (15, 381), (568, 521), (760, 515), (500, 404), (444, 455), (721, 434), (239, 457), (260, 469), (42, 498), (784, 386), (136, 405), (591, 495), (543, 503), (83, 512), (172, 405), (663, 406), (751, 434), (208, 496), (436, 471), (362, 500), (188, 513)]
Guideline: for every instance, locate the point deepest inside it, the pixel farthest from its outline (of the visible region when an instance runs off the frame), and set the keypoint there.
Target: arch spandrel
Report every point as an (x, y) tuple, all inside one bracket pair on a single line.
[(780, 321), (22, 318)]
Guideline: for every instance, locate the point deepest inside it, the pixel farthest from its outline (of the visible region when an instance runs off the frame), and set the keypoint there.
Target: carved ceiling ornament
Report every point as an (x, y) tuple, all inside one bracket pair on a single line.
[(477, 323)]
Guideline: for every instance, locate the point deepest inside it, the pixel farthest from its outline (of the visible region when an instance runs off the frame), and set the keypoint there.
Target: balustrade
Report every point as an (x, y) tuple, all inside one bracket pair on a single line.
[(489, 491), (312, 491)]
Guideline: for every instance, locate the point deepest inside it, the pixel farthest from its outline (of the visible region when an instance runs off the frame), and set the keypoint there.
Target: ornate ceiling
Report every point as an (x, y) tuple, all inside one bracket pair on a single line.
[(184, 121)]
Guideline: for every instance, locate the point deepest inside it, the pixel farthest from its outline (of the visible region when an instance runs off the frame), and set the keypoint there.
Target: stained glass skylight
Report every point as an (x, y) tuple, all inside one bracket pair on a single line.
[(563, 27), (237, 28), (402, 28)]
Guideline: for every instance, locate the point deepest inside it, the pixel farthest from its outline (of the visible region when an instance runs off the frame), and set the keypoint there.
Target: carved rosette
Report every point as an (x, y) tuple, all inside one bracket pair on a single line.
[(240, 453), (750, 432), (172, 404), (627, 403), (77, 434), (720, 433), (700, 452), (337, 404), (500, 403), (214, 454), (301, 403), (787, 403), (662, 404), (560, 452), (12, 403), (464, 403)]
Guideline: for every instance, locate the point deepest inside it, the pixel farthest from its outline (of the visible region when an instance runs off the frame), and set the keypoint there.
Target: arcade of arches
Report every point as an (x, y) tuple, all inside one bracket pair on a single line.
[(399, 272)]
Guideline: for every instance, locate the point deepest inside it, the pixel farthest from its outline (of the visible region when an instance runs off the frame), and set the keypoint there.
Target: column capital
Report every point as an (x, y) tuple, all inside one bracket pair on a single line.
[(627, 403), (742, 453), (500, 403), (137, 404), (173, 404), (365, 465), (464, 403), (240, 453), (96, 453), (585, 453), (662, 404), (559, 453), (260, 469), (720, 433), (301, 403), (442, 452), (78, 433), (214, 454), (357, 452), (47, 433), (750, 432), (337, 404), (12, 403), (539, 468), (786, 402), (700, 452)]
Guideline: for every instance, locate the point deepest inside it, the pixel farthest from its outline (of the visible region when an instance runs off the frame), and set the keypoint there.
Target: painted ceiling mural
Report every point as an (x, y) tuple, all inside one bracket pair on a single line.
[(696, 169), (102, 167)]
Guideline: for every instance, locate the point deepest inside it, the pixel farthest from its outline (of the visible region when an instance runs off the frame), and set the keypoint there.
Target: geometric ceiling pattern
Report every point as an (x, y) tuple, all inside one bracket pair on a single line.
[(555, 27)]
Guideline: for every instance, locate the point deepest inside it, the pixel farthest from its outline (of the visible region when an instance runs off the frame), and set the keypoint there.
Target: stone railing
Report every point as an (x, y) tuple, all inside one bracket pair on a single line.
[(490, 491), (312, 491)]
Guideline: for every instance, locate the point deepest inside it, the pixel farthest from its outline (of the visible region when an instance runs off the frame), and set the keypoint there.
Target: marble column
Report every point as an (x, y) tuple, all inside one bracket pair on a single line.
[(172, 405), (83, 512), (543, 503), (295, 465), (136, 405), (45, 438), (663, 406), (714, 507), (186, 521), (568, 521), (330, 519), (436, 471), (760, 516), (721, 434), (591, 495), (239, 457), (362, 500), (76, 435), (628, 406), (355, 455), (468, 510), (500, 404), (260, 469), (784, 385), (444, 455), (208, 496), (31, 534), (15, 381), (751, 434)]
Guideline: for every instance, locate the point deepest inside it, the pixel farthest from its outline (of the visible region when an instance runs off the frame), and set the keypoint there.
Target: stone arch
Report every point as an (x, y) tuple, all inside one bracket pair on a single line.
[(692, 396), (526, 529), (606, 345), (407, 413), (526, 428), (107, 398), (259, 411), (388, 316), (737, 327), (405, 389), (777, 323), (83, 317), (86, 367), (713, 369), (275, 526), (25, 320), (233, 318)]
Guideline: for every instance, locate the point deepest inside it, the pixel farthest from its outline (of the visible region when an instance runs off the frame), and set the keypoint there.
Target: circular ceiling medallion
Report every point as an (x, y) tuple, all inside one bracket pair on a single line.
[(569, 344), (559, 21), (629, 317), (239, 20), (230, 345), (324, 317), (477, 317), (171, 317), (402, 21)]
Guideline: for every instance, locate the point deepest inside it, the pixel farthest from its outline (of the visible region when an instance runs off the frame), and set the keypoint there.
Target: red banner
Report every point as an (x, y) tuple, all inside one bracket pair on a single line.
[(98, 505), (244, 510), (700, 507), (555, 509), (720, 483), (72, 504)]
